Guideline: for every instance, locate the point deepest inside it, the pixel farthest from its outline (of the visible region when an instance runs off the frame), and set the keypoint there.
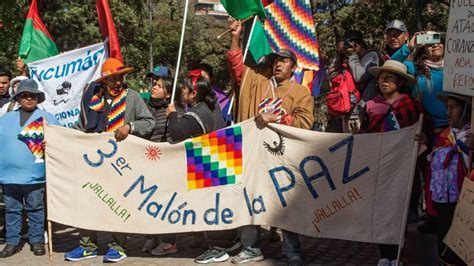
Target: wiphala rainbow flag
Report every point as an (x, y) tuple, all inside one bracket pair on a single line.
[(214, 159), (32, 135), (290, 25)]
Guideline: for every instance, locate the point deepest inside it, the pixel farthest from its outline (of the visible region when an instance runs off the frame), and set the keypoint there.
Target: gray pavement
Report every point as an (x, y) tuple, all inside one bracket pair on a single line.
[(420, 250)]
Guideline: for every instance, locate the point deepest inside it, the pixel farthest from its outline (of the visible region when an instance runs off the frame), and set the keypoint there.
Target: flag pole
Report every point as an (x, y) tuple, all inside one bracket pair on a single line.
[(180, 50), (245, 57), (229, 30)]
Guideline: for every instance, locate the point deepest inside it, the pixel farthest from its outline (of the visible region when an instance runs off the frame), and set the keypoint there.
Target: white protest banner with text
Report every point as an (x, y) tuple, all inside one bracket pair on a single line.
[(63, 77), (459, 49), (460, 237), (341, 186)]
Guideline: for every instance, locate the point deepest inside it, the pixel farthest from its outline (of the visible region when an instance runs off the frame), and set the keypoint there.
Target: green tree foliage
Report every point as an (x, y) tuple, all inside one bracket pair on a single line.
[(74, 24), (371, 17)]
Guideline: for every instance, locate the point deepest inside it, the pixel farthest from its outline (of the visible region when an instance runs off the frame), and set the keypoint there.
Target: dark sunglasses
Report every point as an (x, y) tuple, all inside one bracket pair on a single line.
[(26, 95)]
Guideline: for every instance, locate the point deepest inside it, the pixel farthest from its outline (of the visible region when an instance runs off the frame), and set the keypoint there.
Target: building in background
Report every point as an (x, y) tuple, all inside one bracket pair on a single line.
[(209, 7)]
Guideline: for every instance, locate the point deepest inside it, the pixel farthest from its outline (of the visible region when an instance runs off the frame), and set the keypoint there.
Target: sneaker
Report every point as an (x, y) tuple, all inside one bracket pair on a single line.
[(212, 255), (164, 248), (80, 253), (149, 245), (383, 262), (113, 255), (295, 261), (247, 255)]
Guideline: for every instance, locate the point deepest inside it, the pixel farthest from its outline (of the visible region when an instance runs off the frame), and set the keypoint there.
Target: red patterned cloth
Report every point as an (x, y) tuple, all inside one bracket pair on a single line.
[(406, 110)]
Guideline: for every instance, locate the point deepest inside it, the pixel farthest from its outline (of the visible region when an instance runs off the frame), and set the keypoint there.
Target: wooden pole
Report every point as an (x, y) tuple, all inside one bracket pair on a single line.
[(50, 240), (408, 194), (229, 30), (180, 51)]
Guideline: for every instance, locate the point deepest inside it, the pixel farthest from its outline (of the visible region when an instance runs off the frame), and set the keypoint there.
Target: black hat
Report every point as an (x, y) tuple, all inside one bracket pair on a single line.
[(29, 85), (353, 35), (285, 53)]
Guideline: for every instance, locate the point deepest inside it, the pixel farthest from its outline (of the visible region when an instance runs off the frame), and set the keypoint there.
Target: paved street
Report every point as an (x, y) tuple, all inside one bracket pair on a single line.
[(420, 250)]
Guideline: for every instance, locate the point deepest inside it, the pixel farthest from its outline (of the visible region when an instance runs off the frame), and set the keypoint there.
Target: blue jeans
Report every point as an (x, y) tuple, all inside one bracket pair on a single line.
[(291, 244), (33, 196)]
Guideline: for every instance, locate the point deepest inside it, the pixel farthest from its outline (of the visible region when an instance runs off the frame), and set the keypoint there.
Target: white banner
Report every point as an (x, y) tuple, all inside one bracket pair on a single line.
[(63, 77), (343, 186), (459, 49)]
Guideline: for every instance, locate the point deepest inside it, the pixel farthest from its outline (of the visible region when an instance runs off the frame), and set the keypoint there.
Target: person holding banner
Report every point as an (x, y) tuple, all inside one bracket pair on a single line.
[(108, 105), (203, 117), (427, 67), (159, 101), (277, 98), (22, 168), (449, 165), (392, 109)]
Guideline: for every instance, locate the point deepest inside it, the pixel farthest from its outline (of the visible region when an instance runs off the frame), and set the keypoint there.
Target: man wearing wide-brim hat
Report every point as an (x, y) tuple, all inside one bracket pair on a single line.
[(22, 168), (106, 96), (110, 94)]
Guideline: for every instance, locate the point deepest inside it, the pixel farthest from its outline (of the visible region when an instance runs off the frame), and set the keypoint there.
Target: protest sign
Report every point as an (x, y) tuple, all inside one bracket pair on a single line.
[(459, 49), (63, 77), (343, 186), (460, 237)]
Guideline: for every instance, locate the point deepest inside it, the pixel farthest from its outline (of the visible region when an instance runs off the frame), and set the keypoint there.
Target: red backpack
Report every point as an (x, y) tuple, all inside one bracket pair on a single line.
[(343, 95)]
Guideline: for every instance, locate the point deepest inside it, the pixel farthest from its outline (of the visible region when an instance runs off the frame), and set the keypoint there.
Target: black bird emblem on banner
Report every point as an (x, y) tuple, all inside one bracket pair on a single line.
[(276, 148)]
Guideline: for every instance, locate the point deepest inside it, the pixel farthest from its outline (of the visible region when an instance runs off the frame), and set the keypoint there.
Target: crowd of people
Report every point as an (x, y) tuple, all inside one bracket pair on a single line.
[(390, 92)]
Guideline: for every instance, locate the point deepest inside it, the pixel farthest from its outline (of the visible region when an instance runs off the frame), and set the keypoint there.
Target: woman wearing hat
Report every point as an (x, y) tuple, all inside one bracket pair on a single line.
[(392, 109), (449, 164), (22, 169), (427, 67), (109, 106)]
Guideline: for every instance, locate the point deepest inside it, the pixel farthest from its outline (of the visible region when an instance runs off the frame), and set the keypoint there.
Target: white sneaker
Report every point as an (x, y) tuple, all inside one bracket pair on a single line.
[(149, 245), (384, 262)]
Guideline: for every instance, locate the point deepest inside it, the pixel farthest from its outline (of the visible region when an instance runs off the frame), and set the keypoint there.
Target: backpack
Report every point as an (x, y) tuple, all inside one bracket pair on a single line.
[(343, 95)]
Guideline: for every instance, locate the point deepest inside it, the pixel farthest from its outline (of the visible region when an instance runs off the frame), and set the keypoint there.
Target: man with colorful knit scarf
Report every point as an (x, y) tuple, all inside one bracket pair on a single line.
[(109, 106)]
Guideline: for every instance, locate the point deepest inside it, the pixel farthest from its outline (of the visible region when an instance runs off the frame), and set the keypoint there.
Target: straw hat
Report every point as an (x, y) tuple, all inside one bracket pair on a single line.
[(113, 67), (396, 67), (444, 96)]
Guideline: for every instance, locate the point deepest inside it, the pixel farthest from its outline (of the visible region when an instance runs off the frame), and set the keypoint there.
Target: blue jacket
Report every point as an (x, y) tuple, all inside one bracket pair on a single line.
[(435, 107), (17, 162)]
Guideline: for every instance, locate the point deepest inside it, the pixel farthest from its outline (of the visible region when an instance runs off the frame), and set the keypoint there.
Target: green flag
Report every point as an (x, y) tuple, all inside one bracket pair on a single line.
[(36, 42), (242, 9), (258, 45)]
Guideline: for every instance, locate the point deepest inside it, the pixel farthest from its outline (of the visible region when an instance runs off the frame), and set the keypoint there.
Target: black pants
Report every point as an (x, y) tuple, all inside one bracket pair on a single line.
[(445, 218)]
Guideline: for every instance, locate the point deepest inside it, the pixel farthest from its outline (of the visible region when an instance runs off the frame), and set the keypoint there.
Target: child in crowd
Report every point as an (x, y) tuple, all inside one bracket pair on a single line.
[(22, 168)]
